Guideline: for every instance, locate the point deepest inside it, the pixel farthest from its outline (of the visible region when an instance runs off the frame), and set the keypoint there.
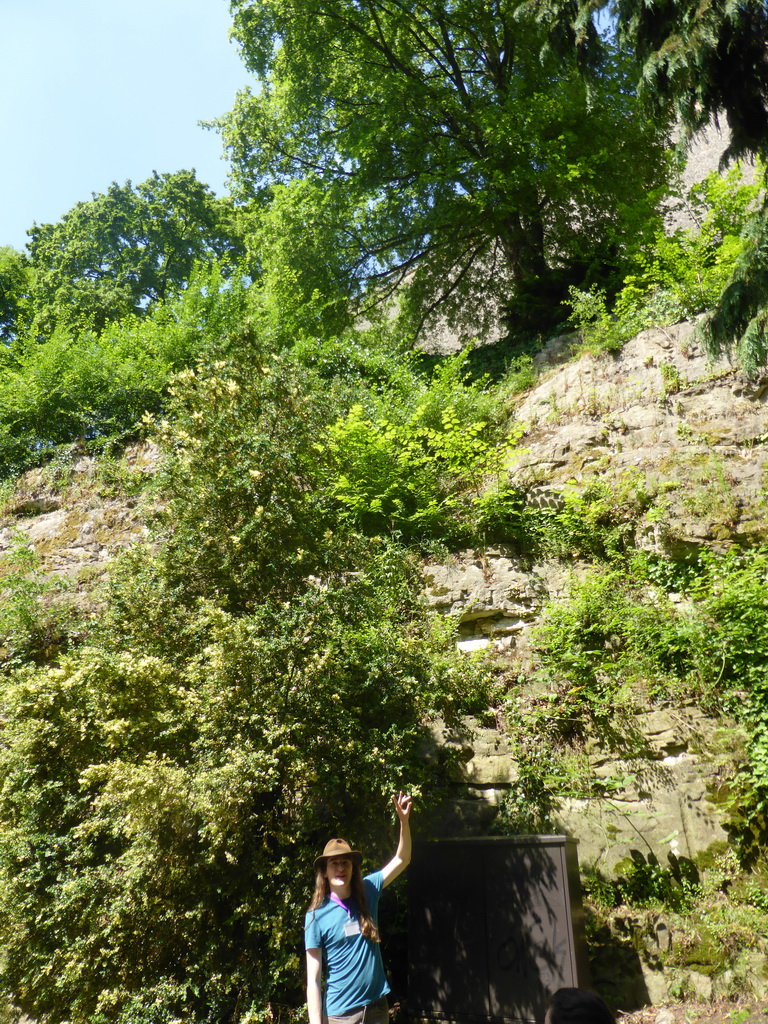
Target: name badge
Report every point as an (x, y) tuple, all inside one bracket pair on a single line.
[(351, 928)]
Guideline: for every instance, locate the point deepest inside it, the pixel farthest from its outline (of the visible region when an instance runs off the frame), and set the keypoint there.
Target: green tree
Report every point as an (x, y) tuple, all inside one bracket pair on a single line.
[(701, 62), (126, 250), (472, 167), (80, 386), (706, 61), (14, 288)]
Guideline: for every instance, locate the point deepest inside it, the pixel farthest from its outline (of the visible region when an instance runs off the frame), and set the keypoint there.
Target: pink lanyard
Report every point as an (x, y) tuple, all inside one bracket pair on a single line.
[(341, 903)]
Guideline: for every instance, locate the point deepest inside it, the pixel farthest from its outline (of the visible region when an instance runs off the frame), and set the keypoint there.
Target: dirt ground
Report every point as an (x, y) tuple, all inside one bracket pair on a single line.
[(699, 1013)]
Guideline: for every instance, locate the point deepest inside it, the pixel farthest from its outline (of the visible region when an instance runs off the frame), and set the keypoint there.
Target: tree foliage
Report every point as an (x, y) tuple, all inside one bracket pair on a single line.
[(14, 284), (702, 62), (706, 60), (709, 60), (739, 321), (126, 250), (92, 388), (262, 679), (468, 165), (159, 847), (682, 273)]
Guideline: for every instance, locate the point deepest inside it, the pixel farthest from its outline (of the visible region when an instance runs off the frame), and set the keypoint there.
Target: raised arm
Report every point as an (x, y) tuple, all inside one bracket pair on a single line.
[(314, 986), (402, 858)]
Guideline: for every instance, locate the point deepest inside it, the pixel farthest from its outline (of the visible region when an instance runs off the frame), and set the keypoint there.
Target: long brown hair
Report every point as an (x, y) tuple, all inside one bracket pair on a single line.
[(323, 892)]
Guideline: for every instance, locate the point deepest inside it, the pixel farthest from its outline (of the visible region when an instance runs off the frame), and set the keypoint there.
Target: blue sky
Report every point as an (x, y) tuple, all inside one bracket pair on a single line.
[(95, 91)]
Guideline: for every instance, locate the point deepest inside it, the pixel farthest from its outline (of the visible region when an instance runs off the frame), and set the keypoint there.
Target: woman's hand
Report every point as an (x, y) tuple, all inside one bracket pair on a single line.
[(403, 804)]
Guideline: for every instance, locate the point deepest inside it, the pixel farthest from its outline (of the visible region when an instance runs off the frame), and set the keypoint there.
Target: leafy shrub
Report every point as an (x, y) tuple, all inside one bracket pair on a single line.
[(598, 519), (261, 680), (642, 881), (618, 636), (418, 474), (247, 512), (747, 794), (35, 624), (160, 815), (530, 806), (92, 387), (689, 269), (599, 330), (407, 480), (612, 633), (671, 378), (733, 592), (680, 275), (363, 366), (734, 597), (712, 907), (520, 375)]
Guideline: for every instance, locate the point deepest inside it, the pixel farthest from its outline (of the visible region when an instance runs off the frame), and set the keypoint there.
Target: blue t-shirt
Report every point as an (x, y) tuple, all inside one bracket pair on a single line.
[(352, 966)]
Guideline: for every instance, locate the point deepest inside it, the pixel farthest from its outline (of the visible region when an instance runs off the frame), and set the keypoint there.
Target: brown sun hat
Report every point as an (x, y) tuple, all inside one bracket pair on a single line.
[(337, 848)]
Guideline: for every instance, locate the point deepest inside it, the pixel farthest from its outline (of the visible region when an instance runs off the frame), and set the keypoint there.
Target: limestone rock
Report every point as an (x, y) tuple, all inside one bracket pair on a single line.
[(480, 586), (492, 594), (674, 816), (670, 731), (492, 763), (658, 415), (470, 646), (657, 985), (659, 800), (700, 985), (76, 528)]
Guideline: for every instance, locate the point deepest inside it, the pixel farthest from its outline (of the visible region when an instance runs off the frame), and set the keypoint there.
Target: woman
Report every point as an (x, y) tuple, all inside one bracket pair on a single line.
[(345, 973)]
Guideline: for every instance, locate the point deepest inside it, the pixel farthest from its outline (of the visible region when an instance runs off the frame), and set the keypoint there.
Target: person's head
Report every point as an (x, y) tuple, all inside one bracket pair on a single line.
[(576, 1006), (336, 867)]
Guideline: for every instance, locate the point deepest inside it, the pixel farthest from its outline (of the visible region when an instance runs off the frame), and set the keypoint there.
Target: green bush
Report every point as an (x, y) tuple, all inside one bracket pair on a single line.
[(261, 679), (247, 512), (733, 593), (681, 275), (37, 621), (595, 520), (599, 330), (617, 639), (93, 388), (372, 367), (158, 820), (530, 807), (520, 375), (418, 472)]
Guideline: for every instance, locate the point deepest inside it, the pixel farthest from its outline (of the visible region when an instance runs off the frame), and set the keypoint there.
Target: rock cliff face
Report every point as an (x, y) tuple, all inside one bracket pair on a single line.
[(658, 416), (694, 433), (691, 436), (676, 752), (77, 524)]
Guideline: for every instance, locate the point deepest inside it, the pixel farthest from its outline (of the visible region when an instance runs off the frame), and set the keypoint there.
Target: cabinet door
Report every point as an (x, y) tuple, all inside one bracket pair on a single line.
[(448, 945), (528, 927)]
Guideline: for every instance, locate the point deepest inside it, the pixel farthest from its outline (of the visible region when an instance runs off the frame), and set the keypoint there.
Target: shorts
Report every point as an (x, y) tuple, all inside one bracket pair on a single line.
[(376, 1012)]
